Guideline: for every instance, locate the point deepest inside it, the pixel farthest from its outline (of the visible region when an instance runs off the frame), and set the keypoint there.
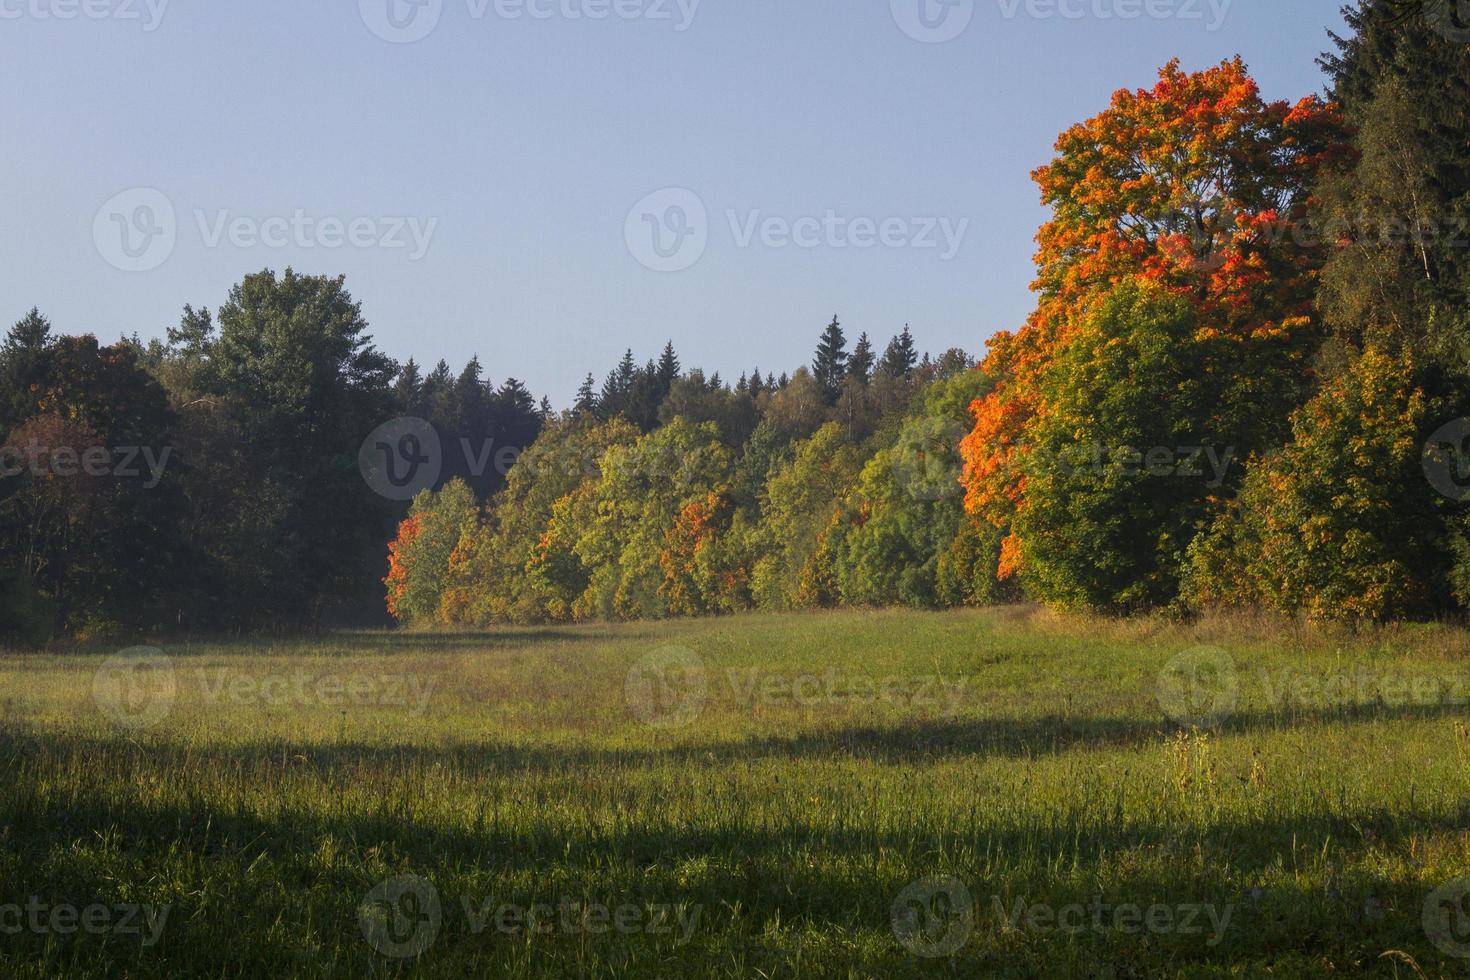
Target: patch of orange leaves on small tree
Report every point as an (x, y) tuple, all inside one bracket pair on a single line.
[(400, 561)]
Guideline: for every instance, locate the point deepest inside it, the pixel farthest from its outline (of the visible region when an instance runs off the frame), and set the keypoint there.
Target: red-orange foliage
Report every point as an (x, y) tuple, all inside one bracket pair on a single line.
[(697, 526), (400, 565), (1197, 184)]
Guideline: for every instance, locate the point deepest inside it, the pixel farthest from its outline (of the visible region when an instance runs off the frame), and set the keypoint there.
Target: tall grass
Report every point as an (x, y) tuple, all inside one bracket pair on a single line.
[(768, 827)]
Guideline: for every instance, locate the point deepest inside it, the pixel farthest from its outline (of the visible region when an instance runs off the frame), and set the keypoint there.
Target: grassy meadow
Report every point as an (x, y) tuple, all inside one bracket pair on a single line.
[(861, 794)]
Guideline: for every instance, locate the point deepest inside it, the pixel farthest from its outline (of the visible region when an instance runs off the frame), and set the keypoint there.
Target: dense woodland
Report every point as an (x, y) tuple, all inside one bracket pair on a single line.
[(1251, 321)]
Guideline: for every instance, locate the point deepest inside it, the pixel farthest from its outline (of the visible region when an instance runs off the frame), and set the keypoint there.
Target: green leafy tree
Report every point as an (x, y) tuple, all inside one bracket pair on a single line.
[(623, 520), (419, 575), (1341, 522), (801, 504), (91, 520), (1137, 452), (900, 522), (294, 366)]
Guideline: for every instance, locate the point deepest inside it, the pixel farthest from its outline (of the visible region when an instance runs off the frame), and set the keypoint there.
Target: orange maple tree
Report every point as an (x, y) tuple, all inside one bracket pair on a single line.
[(1198, 184)]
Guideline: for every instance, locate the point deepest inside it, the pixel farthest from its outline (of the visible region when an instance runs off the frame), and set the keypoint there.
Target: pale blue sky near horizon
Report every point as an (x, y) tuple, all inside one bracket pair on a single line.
[(521, 147)]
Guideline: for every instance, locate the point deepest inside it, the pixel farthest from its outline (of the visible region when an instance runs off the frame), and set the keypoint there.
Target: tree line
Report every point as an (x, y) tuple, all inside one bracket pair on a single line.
[(209, 481), (1246, 382), (667, 492)]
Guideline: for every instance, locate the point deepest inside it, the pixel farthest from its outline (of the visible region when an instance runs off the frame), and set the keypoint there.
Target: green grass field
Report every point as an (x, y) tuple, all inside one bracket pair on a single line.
[(893, 794)]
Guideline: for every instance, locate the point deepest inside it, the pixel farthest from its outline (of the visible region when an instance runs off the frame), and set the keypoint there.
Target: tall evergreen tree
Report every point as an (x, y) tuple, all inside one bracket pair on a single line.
[(435, 392), (829, 366), (21, 368), (860, 366), (586, 403), (470, 394), (517, 417), (618, 386), (409, 387), (668, 368), (900, 358)]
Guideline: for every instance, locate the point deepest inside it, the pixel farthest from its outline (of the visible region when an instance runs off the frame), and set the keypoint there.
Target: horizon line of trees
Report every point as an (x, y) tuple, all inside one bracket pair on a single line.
[(669, 493), (210, 481), (1213, 404), (1277, 287)]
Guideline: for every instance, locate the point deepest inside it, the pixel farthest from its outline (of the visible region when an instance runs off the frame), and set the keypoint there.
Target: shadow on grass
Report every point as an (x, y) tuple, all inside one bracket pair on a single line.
[(750, 871), (914, 742), (749, 874)]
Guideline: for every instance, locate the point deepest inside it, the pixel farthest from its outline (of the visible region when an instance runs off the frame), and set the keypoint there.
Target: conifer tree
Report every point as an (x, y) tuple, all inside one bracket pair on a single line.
[(900, 358), (860, 366), (586, 403), (830, 365)]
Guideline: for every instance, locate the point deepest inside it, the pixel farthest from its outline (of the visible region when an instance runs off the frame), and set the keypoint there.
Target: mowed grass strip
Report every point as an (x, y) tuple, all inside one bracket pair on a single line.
[(745, 797)]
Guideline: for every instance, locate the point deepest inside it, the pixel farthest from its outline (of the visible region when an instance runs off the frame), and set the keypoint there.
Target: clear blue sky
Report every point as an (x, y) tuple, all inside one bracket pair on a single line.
[(530, 140)]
